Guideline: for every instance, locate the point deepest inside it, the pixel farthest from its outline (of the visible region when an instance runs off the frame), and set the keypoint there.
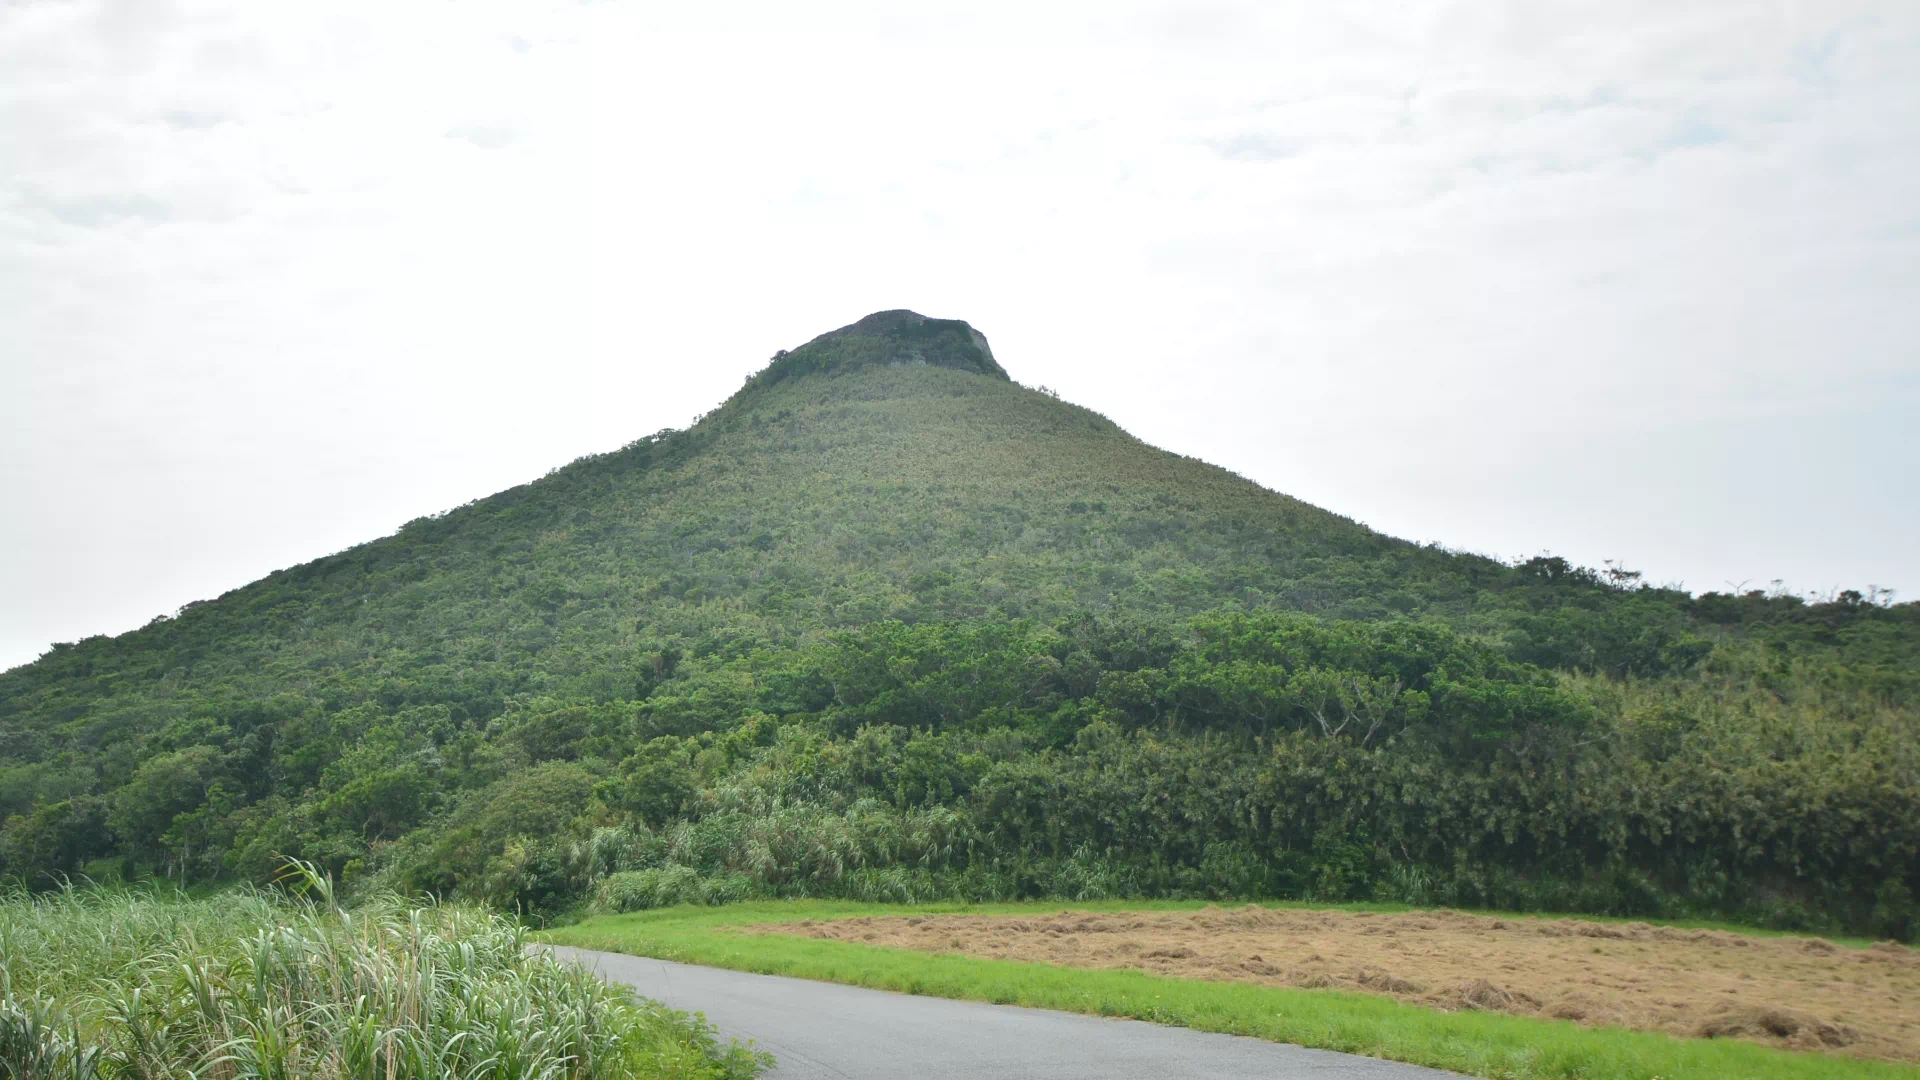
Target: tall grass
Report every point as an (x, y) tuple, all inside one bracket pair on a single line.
[(113, 984)]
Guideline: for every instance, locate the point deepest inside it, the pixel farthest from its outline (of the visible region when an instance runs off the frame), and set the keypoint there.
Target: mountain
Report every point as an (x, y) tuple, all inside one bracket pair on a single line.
[(889, 469), (882, 532)]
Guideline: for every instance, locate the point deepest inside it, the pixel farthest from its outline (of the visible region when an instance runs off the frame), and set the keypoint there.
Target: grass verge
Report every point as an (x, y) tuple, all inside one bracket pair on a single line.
[(1480, 1044), (118, 984)]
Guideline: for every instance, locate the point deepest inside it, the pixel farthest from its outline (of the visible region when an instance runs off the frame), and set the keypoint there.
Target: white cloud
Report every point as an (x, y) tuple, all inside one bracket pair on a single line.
[(1620, 280)]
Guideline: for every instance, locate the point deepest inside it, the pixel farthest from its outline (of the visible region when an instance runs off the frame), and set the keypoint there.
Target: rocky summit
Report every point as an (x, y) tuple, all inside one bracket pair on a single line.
[(888, 338)]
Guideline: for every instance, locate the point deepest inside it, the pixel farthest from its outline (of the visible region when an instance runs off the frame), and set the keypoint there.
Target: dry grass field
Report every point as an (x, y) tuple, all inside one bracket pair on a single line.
[(1798, 993)]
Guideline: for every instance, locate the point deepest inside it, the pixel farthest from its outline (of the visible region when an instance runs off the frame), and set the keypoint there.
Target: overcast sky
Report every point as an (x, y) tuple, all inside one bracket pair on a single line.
[(1637, 281)]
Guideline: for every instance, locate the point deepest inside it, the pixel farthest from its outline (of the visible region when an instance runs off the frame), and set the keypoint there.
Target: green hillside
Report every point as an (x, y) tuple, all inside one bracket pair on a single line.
[(886, 623)]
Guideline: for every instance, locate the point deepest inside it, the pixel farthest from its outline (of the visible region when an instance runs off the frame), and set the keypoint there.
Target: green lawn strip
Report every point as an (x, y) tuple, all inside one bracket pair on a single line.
[(1480, 1044), (793, 910)]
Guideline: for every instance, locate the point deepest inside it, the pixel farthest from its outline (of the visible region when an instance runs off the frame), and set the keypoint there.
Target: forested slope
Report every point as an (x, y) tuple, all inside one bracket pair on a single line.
[(886, 620)]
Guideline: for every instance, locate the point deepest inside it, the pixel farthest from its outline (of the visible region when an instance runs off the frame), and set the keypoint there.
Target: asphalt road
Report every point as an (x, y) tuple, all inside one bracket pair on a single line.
[(817, 1029)]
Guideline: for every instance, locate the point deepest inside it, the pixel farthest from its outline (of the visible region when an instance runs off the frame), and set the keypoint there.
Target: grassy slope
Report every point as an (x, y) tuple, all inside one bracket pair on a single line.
[(1480, 1044), (809, 504)]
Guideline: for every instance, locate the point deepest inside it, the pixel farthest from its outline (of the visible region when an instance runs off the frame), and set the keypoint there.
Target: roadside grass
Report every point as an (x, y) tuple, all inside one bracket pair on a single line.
[(119, 983), (1481, 1044)]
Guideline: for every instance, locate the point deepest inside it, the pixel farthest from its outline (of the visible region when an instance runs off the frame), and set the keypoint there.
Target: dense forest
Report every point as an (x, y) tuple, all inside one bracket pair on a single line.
[(887, 624)]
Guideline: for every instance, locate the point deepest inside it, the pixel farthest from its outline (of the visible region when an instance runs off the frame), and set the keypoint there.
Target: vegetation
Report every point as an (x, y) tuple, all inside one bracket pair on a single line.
[(1475, 1043), (886, 625), (244, 985)]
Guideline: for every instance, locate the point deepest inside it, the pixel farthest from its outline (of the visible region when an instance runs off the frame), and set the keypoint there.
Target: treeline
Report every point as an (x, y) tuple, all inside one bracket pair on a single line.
[(1773, 777)]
